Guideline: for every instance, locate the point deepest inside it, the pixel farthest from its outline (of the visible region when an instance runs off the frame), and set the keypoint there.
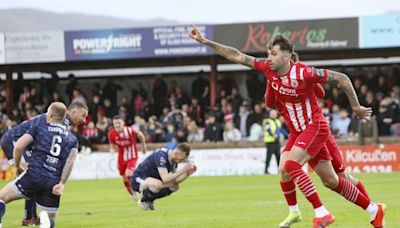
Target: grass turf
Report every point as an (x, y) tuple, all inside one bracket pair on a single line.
[(238, 201)]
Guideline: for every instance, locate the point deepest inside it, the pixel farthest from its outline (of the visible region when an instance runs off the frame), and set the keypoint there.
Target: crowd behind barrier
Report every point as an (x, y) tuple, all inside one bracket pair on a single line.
[(167, 113)]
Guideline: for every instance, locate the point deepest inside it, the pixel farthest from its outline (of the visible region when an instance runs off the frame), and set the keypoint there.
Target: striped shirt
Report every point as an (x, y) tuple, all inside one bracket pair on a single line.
[(294, 93), (126, 143)]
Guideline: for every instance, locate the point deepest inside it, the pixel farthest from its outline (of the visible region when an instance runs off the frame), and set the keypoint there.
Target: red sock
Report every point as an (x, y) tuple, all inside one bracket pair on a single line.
[(351, 193), (362, 189), (127, 183), (303, 182), (289, 190)]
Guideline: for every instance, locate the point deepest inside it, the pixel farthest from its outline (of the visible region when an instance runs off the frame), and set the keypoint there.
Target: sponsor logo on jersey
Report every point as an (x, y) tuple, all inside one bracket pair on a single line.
[(320, 73), (284, 90)]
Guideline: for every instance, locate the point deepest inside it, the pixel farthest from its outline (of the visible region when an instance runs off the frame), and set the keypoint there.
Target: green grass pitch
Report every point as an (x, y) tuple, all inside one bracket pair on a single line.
[(239, 201)]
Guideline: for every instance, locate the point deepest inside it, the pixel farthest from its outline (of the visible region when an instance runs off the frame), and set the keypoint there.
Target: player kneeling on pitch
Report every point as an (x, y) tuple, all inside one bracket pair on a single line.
[(157, 176)]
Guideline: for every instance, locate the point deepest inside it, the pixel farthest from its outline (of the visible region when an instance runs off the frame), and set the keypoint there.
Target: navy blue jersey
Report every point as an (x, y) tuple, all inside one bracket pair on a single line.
[(11, 136), (52, 144), (158, 159), (16, 132)]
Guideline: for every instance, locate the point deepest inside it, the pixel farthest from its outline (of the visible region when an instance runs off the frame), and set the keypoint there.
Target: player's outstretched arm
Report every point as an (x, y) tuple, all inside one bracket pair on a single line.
[(230, 53), (345, 83), (58, 189), (19, 148)]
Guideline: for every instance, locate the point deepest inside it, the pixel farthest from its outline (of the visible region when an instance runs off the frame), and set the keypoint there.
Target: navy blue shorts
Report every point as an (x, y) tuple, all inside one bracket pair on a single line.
[(136, 181), (39, 188)]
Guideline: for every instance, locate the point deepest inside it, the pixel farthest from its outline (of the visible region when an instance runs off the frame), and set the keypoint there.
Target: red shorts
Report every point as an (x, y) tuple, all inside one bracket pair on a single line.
[(337, 160), (312, 140), (124, 165)]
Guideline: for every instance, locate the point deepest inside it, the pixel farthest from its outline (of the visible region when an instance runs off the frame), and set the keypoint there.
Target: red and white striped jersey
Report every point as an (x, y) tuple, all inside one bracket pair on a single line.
[(125, 141), (294, 93)]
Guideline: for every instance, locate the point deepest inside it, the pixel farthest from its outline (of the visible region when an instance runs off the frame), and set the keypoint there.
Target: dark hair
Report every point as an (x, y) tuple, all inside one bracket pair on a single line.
[(185, 148), (77, 105), (283, 42), (118, 117), (295, 57)]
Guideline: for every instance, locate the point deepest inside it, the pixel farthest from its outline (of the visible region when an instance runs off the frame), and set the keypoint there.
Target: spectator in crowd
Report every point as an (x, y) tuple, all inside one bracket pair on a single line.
[(213, 130), (242, 121), (387, 116), (195, 134), (256, 132), (16, 115), (77, 96), (181, 97), (199, 85), (139, 95), (24, 97), (231, 134), (255, 88), (154, 132), (159, 93), (56, 97), (139, 124), (72, 84), (110, 91), (110, 109), (94, 107), (272, 136), (340, 126), (196, 112), (170, 132), (91, 135), (205, 98), (235, 99), (221, 96), (129, 109), (377, 90)]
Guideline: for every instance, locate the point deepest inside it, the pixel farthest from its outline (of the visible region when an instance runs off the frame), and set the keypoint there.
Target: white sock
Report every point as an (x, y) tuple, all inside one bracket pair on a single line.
[(372, 209), (320, 212), (294, 209)]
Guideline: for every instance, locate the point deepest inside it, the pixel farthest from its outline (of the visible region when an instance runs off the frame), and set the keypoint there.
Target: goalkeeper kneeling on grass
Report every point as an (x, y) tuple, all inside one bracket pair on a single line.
[(157, 176)]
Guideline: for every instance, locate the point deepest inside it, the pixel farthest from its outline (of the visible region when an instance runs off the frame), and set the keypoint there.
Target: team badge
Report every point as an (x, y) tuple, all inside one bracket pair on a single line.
[(294, 83), (320, 72)]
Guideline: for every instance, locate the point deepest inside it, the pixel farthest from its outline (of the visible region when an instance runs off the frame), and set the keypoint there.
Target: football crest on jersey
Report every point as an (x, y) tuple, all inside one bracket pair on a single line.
[(294, 83)]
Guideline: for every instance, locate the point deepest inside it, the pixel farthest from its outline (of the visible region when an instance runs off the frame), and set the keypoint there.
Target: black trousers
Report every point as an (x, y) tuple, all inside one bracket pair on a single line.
[(272, 148)]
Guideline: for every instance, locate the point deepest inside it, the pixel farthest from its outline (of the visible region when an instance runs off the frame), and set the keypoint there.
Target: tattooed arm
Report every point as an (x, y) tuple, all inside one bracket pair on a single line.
[(346, 85), (230, 53), (69, 164)]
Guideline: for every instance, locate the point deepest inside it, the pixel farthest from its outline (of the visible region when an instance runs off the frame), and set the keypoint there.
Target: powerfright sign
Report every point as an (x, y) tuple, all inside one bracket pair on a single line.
[(306, 35), (105, 44), (167, 41)]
